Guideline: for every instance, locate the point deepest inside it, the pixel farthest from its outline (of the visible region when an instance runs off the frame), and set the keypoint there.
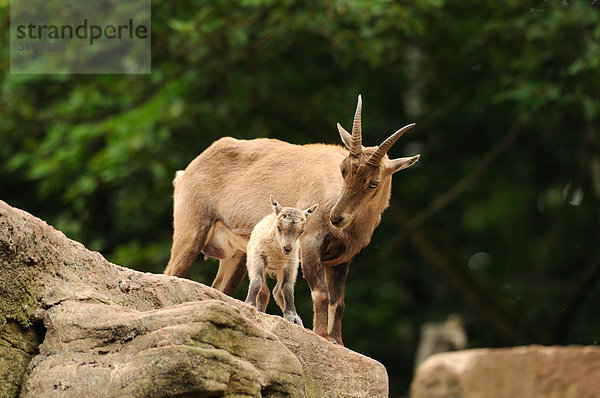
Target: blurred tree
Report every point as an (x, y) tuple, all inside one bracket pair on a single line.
[(499, 221)]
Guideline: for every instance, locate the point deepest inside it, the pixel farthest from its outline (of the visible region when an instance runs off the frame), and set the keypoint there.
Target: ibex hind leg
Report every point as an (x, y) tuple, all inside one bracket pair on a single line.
[(263, 297), (278, 293), (231, 273), (189, 236)]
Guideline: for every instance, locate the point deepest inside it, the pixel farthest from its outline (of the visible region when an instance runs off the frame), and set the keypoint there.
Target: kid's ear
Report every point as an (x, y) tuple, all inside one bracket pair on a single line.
[(275, 204), (310, 210)]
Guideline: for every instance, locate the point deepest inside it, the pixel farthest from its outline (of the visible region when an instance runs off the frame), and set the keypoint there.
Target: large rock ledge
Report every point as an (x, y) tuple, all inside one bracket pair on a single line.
[(530, 371), (74, 325)]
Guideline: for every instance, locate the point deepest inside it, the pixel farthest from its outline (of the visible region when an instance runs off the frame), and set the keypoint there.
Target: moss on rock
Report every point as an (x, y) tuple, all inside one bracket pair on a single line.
[(18, 345)]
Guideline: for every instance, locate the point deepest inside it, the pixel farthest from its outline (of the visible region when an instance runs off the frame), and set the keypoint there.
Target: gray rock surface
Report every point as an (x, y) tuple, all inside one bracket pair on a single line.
[(528, 371), (110, 331)]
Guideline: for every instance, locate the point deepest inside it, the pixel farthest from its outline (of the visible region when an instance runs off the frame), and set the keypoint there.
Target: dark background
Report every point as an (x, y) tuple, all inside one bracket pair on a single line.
[(498, 222)]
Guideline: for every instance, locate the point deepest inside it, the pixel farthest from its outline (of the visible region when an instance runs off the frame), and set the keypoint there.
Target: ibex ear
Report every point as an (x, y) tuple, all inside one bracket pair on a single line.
[(310, 210), (275, 204), (344, 135), (394, 165)]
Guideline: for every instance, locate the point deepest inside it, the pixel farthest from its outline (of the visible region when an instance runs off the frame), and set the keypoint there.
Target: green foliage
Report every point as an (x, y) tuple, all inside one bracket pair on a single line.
[(95, 155)]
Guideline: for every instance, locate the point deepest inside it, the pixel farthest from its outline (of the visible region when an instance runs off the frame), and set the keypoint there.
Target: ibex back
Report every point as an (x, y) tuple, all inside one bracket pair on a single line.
[(222, 195)]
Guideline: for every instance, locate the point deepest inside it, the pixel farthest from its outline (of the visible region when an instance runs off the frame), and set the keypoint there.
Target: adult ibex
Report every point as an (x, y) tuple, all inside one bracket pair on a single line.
[(223, 193)]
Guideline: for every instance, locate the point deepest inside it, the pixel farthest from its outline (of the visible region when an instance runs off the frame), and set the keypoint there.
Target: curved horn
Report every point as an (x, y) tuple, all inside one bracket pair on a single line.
[(356, 144), (385, 146)]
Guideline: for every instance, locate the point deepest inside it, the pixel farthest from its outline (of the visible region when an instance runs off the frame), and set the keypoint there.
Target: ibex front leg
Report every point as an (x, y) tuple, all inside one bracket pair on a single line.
[(256, 273), (312, 269), (284, 294), (336, 280)]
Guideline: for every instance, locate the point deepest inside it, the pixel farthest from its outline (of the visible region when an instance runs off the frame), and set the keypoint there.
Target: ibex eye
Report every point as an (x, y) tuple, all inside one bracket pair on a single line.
[(374, 184), (278, 228)]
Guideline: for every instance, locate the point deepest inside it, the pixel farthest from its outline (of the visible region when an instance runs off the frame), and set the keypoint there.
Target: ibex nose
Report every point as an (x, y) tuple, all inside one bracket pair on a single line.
[(287, 249), (335, 220)]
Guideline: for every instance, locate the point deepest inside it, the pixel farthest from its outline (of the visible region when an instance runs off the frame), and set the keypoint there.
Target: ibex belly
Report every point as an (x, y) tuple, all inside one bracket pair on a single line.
[(222, 243)]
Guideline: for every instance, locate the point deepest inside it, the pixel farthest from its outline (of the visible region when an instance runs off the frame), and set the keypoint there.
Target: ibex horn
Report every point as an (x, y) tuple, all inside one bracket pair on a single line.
[(356, 144), (385, 146)]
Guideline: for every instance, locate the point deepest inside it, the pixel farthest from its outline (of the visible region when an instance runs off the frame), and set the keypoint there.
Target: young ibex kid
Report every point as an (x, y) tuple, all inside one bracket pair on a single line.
[(274, 249)]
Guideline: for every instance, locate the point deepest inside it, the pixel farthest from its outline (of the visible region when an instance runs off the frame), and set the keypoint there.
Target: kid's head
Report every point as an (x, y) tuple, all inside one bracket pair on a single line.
[(290, 224)]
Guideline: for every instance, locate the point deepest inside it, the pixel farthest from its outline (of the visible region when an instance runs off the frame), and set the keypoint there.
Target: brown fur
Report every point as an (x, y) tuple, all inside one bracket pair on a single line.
[(228, 184)]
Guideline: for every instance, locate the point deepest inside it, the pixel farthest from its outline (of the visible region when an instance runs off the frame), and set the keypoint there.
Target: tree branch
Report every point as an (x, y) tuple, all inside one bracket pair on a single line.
[(500, 318), (461, 186), (450, 195)]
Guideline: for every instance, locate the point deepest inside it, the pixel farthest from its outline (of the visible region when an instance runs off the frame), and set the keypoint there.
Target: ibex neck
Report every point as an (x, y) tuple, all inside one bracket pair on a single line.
[(358, 234)]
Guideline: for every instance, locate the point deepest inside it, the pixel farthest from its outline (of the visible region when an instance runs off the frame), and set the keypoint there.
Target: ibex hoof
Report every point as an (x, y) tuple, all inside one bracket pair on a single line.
[(332, 340), (294, 318)]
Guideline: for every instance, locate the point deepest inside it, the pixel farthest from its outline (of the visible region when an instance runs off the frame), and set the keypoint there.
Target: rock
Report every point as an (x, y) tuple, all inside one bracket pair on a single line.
[(192, 349), (529, 371), (110, 331), (17, 346)]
